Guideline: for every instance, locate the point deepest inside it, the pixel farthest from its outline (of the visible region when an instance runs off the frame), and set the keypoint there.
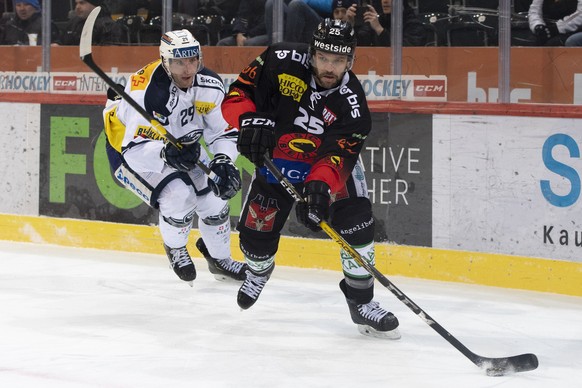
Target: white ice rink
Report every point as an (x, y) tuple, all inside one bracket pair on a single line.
[(89, 318)]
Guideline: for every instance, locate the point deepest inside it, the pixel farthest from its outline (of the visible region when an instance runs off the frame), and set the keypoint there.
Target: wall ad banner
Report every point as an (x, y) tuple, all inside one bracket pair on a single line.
[(76, 182), (397, 159), (508, 185)]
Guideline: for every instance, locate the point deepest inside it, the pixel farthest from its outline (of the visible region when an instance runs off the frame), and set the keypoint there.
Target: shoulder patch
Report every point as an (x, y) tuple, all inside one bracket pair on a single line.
[(141, 79), (209, 81), (203, 107)]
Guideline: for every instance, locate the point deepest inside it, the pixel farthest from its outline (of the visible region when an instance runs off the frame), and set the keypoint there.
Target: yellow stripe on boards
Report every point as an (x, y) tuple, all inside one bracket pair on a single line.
[(561, 277)]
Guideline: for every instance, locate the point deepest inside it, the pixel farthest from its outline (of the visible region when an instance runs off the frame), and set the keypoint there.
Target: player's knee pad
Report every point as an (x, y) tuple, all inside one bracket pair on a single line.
[(218, 219), (179, 222), (353, 219)]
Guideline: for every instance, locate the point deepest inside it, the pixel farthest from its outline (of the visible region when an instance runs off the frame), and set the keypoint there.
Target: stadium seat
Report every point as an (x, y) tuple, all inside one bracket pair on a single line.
[(131, 24), (466, 32)]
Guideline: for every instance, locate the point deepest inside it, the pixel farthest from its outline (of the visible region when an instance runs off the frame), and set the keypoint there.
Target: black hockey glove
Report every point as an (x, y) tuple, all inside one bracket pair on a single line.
[(229, 176), (181, 159), (315, 208), (256, 136), (544, 33)]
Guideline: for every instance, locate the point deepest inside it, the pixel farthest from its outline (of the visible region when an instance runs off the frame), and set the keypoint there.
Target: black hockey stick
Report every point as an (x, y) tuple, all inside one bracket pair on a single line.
[(492, 366), (85, 51)]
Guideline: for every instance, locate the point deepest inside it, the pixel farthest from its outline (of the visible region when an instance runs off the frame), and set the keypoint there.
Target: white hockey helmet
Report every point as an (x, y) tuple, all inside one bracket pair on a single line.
[(179, 44)]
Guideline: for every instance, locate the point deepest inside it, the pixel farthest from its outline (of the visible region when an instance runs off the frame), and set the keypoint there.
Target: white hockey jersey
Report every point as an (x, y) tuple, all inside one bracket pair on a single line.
[(186, 114)]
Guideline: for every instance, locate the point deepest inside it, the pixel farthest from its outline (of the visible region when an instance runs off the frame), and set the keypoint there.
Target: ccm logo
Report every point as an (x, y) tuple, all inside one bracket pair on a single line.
[(257, 122), (65, 83), (429, 88)]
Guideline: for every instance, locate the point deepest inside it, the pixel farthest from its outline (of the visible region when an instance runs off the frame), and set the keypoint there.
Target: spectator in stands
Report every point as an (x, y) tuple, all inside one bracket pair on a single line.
[(128, 7), (24, 25), (229, 9), (377, 26), (339, 9), (249, 25), (301, 18), (574, 40), (553, 21), (105, 32)]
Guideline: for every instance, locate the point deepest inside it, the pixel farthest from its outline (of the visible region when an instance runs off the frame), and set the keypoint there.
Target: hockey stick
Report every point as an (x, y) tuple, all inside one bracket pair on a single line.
[(85, 51), (492, 366)]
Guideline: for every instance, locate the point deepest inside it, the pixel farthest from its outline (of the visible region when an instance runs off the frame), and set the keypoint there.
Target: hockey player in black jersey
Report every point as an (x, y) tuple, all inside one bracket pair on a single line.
[(303, 105)]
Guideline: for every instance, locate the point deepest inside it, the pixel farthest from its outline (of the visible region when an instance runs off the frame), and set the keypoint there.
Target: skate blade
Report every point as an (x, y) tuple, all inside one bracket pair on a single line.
[(371, 332), (225, 278), (191, 283)]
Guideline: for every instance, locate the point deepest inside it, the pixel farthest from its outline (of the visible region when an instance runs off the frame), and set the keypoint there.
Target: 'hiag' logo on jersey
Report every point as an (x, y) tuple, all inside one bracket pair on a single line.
[(291, 86), (173, 101)]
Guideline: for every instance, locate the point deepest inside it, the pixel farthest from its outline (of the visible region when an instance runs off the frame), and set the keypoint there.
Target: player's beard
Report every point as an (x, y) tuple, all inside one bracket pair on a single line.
[(326, 80)]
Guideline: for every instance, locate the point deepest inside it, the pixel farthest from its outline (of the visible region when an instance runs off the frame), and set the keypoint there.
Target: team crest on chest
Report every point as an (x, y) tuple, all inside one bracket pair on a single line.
[(299, 146)]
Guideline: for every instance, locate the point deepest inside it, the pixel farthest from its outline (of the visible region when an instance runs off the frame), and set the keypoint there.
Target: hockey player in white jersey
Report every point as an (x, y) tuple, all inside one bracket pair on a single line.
[(185, 97)]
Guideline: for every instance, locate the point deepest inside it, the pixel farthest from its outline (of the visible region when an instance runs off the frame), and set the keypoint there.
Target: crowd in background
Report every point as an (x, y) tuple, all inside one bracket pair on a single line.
[(250, 22)]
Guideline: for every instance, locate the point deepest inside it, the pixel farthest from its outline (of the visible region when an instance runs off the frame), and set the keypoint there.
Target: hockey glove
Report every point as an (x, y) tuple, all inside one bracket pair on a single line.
[(256, 136), (544, 33), (229, 175), (315, 208), (183, 159)]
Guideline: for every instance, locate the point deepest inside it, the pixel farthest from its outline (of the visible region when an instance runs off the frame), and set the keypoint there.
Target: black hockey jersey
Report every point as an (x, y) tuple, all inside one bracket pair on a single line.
[(319, 133)]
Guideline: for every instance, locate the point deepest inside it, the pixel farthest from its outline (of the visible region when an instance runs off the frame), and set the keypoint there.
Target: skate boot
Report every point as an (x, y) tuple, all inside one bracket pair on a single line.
[(372, 320), (181, 263), (252, 286), (222, 269)]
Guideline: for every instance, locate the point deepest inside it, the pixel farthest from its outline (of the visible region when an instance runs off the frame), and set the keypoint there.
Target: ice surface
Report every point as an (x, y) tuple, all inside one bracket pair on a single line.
[(90, 318)]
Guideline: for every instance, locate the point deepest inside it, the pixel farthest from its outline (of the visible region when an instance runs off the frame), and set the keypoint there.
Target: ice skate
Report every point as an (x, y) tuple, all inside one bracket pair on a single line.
[(222, 269), (251, 288), (181, 263), (372, 320)]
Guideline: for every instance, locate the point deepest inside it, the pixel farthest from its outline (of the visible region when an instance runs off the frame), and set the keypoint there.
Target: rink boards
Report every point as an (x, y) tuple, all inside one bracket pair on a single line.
[(489, 199)]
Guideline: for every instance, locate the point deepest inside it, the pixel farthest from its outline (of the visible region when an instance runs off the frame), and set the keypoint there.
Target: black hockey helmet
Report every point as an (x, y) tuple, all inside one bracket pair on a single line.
[(334, 36)]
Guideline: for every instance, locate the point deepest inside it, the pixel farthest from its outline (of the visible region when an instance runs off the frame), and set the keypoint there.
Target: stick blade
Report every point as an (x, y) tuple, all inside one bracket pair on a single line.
[(87, 33), (508, 365)]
